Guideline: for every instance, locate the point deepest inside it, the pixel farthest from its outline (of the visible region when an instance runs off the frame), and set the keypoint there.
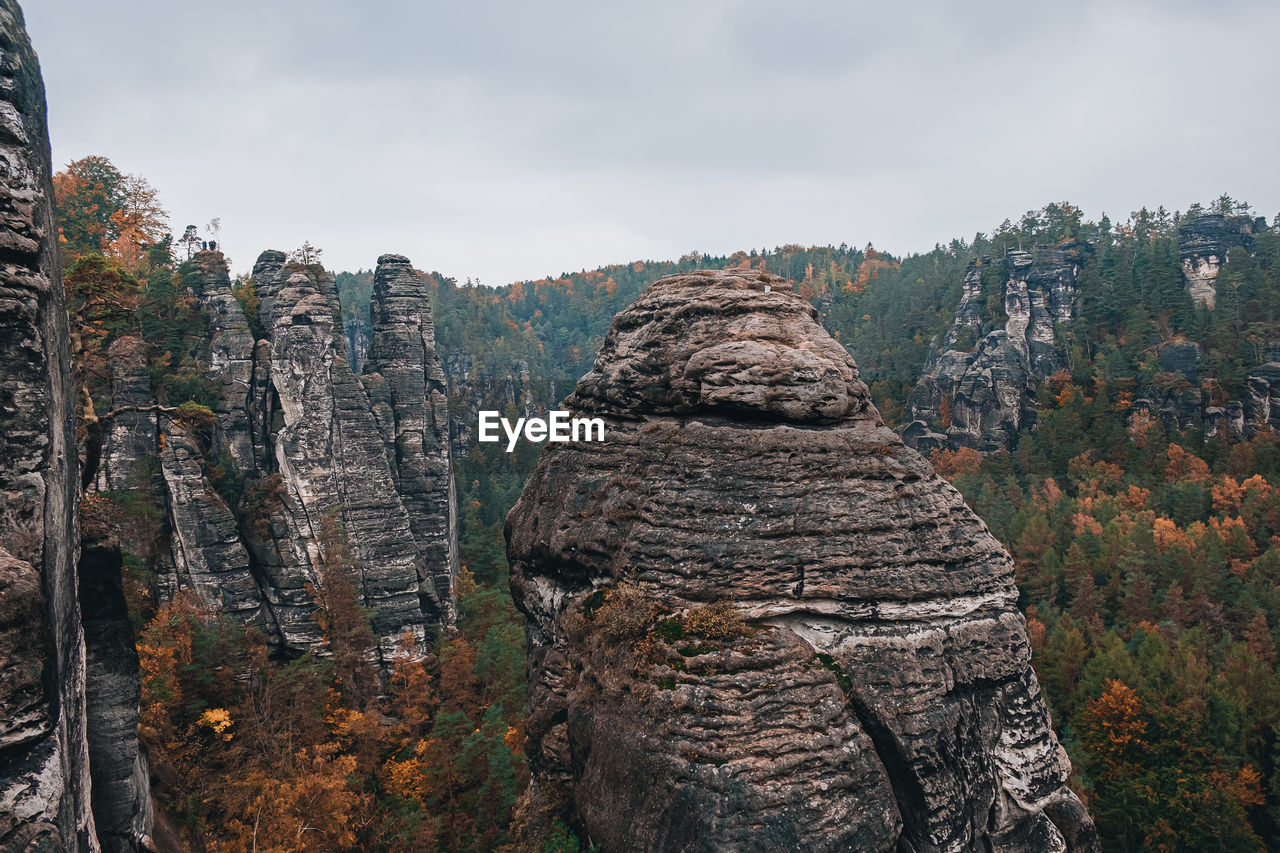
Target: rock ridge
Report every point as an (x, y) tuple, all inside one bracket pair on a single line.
[(405, 380)]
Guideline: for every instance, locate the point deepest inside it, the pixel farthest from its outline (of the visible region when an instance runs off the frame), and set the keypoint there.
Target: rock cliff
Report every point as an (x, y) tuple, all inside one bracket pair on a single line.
[(985, 372), (757, 620), (330, 453), (1203, 243), (44, 752), (406, 384), (227, 351)]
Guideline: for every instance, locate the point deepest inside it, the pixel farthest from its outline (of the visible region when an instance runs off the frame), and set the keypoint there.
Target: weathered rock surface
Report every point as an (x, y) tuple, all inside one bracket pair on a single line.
[(44, 759), (122, 805), (131, 436), (1203, 243), (988, 388), (295, 426), (1262, 408), (228, 353), (406, 385), (208, 557), (330, 453), (881, 696)]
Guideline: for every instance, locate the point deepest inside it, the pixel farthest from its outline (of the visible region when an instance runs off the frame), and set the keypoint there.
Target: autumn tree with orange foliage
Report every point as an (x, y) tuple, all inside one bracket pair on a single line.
[(954, 463), (104, 211)]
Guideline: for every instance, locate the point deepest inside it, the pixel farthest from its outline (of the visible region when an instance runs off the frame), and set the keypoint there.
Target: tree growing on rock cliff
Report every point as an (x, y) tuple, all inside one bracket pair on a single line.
[(102, 210), (306, 254)]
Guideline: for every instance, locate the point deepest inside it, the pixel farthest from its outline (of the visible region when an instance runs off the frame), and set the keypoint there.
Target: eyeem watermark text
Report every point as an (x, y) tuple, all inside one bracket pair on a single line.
[(558, 426)]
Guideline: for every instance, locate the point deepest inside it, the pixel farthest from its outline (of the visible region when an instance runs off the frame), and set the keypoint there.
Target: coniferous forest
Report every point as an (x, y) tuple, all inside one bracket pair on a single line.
[(1147, 547)]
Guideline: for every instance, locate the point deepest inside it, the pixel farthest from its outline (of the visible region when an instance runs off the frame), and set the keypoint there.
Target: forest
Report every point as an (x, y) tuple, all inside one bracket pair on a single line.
[(1148, 554)]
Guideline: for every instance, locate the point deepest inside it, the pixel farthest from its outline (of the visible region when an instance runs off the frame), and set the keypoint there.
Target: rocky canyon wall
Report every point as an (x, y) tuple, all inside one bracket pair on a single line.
[(44, 753)]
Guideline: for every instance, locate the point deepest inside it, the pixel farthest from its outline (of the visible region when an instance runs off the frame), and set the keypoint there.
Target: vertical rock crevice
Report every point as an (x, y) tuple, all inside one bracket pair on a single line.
[(121, 784)]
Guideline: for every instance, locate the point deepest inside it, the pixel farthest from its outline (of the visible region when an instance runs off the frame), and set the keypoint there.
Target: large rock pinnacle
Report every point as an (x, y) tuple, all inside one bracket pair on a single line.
[(757, 620), (406, 386)]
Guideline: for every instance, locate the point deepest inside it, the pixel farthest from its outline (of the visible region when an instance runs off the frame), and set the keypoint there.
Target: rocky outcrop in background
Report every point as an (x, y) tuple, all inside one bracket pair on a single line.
[(330, 454), (984, 377), (44, 751), (1203, 243), (978, 385), (757, 620), (315, 461)]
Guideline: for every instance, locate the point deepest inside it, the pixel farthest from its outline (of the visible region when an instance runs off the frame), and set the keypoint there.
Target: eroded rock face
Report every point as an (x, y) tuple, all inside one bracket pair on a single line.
[(131, 436), (208, 557), (122, 805), (879, 694), (330, 454), (406, 386), (44, 762), (228, 354), (305, 450), (986, 375), (1203, 243)]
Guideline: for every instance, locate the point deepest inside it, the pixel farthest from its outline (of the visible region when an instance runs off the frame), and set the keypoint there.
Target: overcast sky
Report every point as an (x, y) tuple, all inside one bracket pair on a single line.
[(512, 140)]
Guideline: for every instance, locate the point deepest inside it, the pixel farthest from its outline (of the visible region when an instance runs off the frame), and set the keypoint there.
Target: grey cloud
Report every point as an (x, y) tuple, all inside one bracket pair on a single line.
[(511, 139)]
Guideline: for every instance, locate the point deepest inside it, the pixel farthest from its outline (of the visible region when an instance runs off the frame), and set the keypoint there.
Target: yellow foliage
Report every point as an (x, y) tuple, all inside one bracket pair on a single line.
[(312, 809), (1143, 427), (1135, 498), (407, 779), (1086, 523), (218, 719), (1113, 724), (718, 621)]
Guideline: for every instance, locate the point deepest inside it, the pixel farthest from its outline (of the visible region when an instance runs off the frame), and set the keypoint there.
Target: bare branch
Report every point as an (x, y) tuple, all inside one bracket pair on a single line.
[(155, 409)]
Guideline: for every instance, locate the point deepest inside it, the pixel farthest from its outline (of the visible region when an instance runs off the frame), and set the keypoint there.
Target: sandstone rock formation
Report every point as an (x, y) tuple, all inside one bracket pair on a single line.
[(228, 353), (131, 436), (206, 554), (985, 374), (1203, 243), (331, 455), (312, 458), (406, 384), (122, 805), (757, 620), (44, 756)]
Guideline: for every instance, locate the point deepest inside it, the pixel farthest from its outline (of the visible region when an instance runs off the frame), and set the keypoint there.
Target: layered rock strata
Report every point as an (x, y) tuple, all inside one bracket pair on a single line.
[(207, 556), (44, 755), (300, 463), (331, 456), (985, 376), (227, 352), (131, 436), (406, 385), (757, 620)]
